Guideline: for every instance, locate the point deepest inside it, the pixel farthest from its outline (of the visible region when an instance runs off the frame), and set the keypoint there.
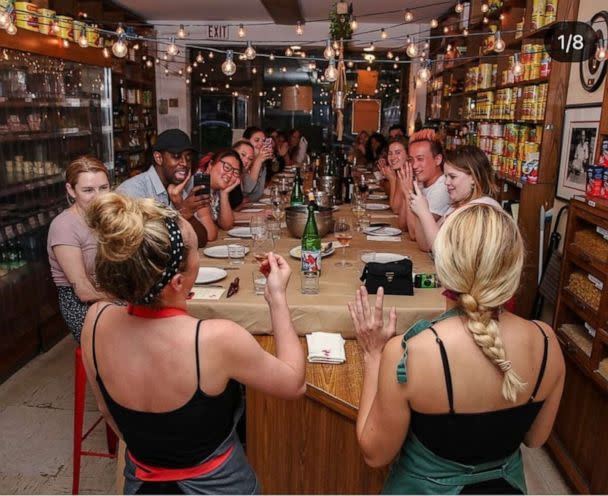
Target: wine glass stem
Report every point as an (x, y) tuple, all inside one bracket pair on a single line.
[(343, 254)]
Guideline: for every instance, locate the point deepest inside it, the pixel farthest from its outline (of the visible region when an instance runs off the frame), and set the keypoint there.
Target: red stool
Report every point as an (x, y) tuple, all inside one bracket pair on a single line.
[(80, 384)]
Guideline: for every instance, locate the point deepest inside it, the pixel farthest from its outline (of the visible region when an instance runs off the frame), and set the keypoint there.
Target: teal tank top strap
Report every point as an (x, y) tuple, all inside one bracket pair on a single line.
[(414, 330)]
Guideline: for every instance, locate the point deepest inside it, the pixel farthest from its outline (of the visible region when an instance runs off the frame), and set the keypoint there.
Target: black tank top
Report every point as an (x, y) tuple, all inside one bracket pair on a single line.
[(181, 438), (473, 438)]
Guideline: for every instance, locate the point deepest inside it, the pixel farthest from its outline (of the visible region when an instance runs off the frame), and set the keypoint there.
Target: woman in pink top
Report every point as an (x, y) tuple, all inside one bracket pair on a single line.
[(71, 245), (469, 178)]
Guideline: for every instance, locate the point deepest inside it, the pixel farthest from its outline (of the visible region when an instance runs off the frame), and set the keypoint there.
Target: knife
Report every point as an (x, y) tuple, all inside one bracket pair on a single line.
[(203, 285)]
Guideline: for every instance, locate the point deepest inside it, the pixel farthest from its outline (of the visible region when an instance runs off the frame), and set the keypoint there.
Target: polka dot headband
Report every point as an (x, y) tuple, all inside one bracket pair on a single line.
[(175, 260)]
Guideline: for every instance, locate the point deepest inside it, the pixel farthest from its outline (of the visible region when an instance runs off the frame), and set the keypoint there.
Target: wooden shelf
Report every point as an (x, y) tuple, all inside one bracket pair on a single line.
[(530, 35), (37, 136)]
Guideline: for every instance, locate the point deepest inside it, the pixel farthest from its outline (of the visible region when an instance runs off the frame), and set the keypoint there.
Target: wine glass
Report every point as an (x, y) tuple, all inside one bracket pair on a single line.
[(358, 212), (343, 234), (363, 189), (258, 226), (261, 245), (284, 188)]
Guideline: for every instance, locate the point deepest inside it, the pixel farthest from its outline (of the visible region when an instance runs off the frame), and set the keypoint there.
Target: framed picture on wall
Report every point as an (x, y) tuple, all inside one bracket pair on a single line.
[(579, 138)]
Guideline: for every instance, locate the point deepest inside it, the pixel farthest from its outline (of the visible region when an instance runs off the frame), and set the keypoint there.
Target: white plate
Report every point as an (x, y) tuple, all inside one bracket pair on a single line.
[(296, 251), (210, 274), (220, 251), (383, 257), (378, 196), (376, 206), (240, 232), (382, 231)]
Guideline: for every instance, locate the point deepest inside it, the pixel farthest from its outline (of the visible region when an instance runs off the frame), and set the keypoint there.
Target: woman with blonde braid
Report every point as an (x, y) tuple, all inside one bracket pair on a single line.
[(470, 385)]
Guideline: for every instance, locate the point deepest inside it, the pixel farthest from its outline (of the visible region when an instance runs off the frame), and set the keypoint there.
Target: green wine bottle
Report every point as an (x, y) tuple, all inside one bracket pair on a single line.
[(297, 194), (311, 241)]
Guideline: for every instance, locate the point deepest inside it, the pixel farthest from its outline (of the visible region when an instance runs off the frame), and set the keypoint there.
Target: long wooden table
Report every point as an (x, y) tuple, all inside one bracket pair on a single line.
[(326, 311)]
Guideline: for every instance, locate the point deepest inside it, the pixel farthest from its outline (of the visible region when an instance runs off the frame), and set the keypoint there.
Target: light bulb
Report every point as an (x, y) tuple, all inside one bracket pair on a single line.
[(106, 52), (350, 63), (271, 56), (199, 58), (383, 34), (254, 70), (181, 32), (395, 66), (180, 72), (211, 55), (299, 29), (426, 45), (446, 30), (517, 67), (166, 71), (302, 55), (283, 69), (249, 51), (172, 48), (485, 20), (187, 80), (499, 45), (188, 69), (465, 32), (328, 53), (424, 73), (5, 19), (82, 41), (409, 17), (241, 31), (459, 8), (389, 55), (270, 70), (484, 7), (353, 24), (120, 30), (434, 23), (369, 68), (600, 52), (331, 73), (119, 47), (412, 50), (149, 63), (228, 66), (396, 58), (12, 29), (288, 52)]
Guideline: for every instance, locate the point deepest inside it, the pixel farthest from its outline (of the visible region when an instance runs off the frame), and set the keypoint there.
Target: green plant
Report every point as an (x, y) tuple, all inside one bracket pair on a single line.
[(339, 24)]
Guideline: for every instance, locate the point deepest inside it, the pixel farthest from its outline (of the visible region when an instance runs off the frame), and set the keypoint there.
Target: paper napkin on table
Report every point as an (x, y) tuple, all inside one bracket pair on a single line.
[(384, 238), (325, 347), (384, 216), (203, 293)]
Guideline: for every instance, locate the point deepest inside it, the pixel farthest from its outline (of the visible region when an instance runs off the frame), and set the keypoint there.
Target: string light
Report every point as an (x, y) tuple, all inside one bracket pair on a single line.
[(119, 47), (353, 23), (484, 7), (434, 23), (328, 53), (172, 48), (331, 73), (288, 52), (350, 64), (459, 8), (120, 30), (228, 66), (199, 58), (499, 45), (383, 34), (299, 29), (12, 29), (271, 56), (389, 55), (181, 32), (517, 67), (600, 52), (211, 55), (485, 19), (409, 17), (82, 40), (412, 50), (249, 51), (465, 32), (188, 69), (270, 70), (254, 70), (370, 48), (241, 31), (424, 73), (149, 63), (446, 30)]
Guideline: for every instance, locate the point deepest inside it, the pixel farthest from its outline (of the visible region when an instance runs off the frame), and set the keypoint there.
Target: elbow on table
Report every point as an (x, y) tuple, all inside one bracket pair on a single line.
[(297, 391)]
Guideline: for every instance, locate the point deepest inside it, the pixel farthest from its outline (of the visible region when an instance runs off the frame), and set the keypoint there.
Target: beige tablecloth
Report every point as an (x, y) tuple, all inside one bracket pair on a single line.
[(326, 311)]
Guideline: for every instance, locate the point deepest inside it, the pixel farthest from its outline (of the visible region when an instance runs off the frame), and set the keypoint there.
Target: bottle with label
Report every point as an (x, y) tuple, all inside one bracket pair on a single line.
[(330, 166), (297, 194), (348, 185), (418, 122), (311, 241)]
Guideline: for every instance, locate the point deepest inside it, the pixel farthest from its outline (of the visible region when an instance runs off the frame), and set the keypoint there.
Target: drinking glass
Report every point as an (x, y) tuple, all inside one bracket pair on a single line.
[(309, 282), (276, 198), (358, 212), (343, 234), (273, 227), (259, 282), (284, 188), (236, 254), (261, 245), (258, 226)]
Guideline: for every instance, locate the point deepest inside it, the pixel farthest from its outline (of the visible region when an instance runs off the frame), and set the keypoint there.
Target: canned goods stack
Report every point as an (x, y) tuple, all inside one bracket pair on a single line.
[(534, 102), (504, 106), (481, 77), (543, 12)]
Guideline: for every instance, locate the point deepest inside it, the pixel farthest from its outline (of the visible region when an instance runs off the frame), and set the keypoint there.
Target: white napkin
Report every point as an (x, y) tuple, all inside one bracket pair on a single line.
[(203, 293), (383, 238), (325, 347)]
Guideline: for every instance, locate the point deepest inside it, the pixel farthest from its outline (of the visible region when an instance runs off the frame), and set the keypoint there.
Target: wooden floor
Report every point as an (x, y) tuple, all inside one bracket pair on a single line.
[(36, 406)]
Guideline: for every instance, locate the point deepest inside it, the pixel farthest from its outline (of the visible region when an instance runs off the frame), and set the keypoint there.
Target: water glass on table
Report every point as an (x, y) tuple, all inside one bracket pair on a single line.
[(259, 281), (273, 227), (309, 282), (258, 226), (236, 254)]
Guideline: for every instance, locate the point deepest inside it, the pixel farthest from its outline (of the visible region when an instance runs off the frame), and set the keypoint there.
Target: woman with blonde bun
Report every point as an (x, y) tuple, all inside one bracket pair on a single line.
[(453, 399), (169, 383)]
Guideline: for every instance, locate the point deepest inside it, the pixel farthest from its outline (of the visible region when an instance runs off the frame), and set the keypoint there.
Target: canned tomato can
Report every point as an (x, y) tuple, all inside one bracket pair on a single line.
[(426, 281)]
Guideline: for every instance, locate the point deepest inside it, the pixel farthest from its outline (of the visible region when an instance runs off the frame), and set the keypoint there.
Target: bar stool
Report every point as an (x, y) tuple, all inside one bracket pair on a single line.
[(80, 383)]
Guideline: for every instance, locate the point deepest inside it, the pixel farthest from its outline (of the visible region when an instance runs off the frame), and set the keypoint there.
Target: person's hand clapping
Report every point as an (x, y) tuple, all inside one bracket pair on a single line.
[(370, 330)]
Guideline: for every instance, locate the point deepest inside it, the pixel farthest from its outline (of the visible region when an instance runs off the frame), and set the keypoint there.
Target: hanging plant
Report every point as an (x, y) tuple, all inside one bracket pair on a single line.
[(339, 21)]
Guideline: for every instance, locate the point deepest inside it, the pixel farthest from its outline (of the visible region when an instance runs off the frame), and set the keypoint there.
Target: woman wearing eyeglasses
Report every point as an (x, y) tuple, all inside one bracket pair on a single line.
[(225, 173)]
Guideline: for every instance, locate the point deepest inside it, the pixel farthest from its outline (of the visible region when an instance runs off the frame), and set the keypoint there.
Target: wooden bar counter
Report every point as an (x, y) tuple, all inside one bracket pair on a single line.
[(309, 446)]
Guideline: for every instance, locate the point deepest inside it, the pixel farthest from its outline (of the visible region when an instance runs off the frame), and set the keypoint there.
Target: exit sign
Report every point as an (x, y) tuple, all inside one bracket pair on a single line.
[(218, 32)]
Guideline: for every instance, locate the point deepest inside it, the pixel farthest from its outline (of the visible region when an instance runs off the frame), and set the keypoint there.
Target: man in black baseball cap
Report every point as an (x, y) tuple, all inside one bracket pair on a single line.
[(169, 180)]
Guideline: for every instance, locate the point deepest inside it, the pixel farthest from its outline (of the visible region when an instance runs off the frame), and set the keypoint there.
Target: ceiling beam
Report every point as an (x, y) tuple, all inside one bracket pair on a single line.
[(284, 11)]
